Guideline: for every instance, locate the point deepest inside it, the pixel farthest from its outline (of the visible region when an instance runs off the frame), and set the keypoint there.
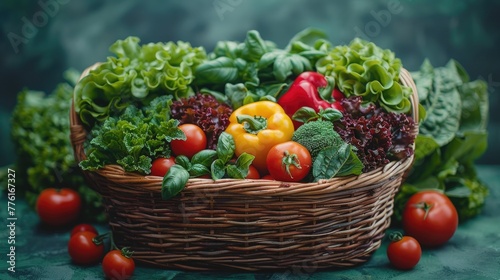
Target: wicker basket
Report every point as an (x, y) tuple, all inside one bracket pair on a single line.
[(250, 225)]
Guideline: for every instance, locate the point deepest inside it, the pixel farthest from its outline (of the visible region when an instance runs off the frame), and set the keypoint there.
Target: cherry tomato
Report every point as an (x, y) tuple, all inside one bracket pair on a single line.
[(160, 166), (267, 177), (404, 252), (83, 227), (196, 140), (58, 207), (288, 161), (430, 217), (117, 264), (253, 173), (84, 249)]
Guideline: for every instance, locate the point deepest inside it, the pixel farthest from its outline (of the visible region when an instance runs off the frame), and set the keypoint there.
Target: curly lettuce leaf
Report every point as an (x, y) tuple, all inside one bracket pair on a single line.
[(136, 74), (364, 69)]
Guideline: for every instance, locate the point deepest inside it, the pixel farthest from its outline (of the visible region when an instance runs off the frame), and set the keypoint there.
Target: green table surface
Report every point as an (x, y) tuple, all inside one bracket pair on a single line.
[(472, 253)]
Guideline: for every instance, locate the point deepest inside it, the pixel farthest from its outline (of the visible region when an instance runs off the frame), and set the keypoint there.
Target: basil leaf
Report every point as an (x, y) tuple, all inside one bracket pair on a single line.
[(236, 93), (204, 157), (308, 36), (330, 114), (234, 172), (255, 47), (183, 161), (305, 114), (174, 181), (225, 147), (218, 169), (218, 71), (268, 59), (270, 91), (286, 64), (198, 170), (228, 49), (240, 169)]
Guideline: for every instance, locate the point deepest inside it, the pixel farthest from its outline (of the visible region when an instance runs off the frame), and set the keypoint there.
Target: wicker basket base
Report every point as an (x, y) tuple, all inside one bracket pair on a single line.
[(252, 225)]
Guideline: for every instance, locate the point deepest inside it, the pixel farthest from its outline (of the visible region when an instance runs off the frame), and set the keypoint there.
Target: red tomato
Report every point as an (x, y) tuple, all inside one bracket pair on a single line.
[(83, 227), (196, 140), (404, 252), (430, 217), (118, 265), (83, 250), (288, 161), (267, 177), (58, 208), (253, 173), (160, 166)]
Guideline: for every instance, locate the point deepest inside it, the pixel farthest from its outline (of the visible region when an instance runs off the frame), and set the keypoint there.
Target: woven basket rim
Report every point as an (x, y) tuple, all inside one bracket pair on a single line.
[(117, 174)]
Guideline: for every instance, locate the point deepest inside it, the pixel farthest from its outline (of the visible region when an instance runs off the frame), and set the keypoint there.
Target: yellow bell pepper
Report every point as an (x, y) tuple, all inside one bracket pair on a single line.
[(257, 127)]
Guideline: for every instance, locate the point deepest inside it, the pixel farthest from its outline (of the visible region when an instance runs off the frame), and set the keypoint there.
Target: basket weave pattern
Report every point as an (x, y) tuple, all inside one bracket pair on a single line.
[(249, 224)]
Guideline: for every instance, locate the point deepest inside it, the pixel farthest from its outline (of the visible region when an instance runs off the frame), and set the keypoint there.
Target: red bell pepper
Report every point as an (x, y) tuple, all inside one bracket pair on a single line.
[(304, 92)]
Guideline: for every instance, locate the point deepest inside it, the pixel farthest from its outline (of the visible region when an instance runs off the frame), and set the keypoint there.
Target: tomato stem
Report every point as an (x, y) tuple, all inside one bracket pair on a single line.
[(98, 240), (290, 159), (113, 245), (126, 252), (425, 206)]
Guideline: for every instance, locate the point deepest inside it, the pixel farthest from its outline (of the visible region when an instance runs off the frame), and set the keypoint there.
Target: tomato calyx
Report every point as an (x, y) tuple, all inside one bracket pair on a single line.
[(424, 206), (126, 252), (395, 236), (288, 160)]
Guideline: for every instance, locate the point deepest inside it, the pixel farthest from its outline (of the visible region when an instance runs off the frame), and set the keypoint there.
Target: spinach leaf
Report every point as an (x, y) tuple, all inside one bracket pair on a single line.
[(338, 160), (452, 137), (439, 94)]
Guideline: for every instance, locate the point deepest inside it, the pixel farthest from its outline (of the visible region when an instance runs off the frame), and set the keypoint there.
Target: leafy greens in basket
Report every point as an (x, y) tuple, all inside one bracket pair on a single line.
[(111, 100)]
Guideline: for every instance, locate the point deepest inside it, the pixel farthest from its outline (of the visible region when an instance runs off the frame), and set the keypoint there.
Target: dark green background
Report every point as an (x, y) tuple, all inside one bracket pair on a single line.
[(76, 34)]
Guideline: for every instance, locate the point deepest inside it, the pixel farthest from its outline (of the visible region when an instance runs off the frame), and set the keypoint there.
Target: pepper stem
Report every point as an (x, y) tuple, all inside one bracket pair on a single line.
[(252, 124)]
